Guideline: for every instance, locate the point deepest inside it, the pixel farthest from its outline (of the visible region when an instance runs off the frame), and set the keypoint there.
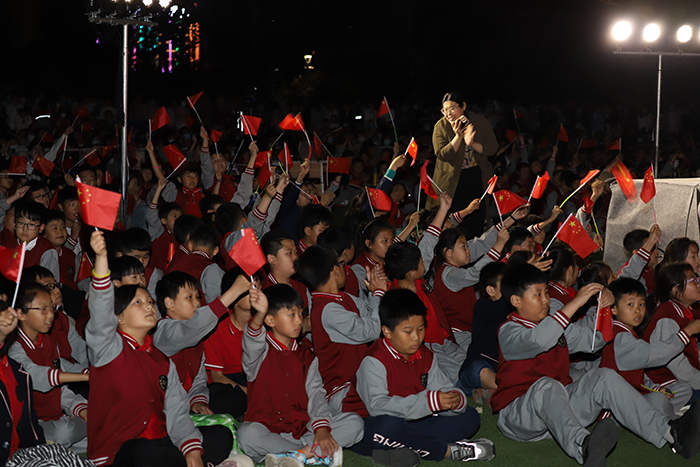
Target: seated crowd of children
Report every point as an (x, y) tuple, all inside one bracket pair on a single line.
[(148, 345)]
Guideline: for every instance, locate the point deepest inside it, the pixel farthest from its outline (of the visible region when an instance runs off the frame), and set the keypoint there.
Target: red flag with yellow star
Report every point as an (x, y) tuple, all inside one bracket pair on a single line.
[(292, 123), (562, 136), (12, 262), (84, 269), (251, 124), (261, 158), (383, 109), (98, 207), (507, 201), (339, 165), (247, 253), (540, 185), (425, 181), (159, 119), (412, 150), (43, 165), (379, 199), (604, 323), (648, 187), (573, 234), (624, 179), (18, 166), (174, 156), (216, 135)]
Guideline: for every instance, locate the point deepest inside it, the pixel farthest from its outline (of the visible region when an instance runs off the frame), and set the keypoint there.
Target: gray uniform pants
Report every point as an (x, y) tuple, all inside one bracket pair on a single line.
[(256, 440), (68, 431), (550, 409)]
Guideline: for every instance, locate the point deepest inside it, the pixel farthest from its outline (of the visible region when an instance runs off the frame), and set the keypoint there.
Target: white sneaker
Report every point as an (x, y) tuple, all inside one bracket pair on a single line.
[(476, 450)]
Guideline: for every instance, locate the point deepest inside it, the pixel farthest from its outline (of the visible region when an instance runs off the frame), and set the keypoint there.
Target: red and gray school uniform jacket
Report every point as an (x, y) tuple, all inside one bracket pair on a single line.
[(186, 198), (198, 264), (352, 284), (559, 296), (51, 404), (42, 252), (630, 356), (358, 268), (270, 280), (285, 389), (529, 351), (67, 266), (180, 252), (181, 341), (142, 386), (670, 318), (161, 238), (228, 186), (636, 268), (71, 346), (342, 326), (391, 385)]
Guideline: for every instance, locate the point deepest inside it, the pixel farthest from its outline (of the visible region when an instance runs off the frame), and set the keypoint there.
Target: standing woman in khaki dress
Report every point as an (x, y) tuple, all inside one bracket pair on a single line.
[(462, 141)]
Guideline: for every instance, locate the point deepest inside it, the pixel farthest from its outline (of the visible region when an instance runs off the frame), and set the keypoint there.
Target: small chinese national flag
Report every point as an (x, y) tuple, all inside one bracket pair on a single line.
[(648, 187), (84, 269), (292, 123), (247, 253), (189, 121), (624, 179), (604, 323), (250, 124), (106, 149), (540, 185), (18, 166), (318, 145), (262, 158), (573, 234), (285, 157), (171, 255), (379, 199), (339, 165), (383, 109), (92, 158), (98, 207), (174, 156), (43, 165), (216, 135), (12, 261), (589, 176), (614, 146), (562, 136), (412, 150), (507, 201), (265, 175), (193, 100), (588, 143), (425, 181), (511, 135), (491, 185), (159, 119)]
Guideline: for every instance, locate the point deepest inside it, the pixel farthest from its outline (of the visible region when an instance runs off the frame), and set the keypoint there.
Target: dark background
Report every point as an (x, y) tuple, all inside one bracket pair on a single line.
[(528, 50)]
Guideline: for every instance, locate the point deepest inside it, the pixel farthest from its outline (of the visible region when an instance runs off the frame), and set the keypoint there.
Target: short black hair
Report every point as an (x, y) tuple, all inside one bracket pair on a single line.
[(316, 264), (676, 250), (136, 175), (30, 210), (626, 285), (169, 286), (205, 236), (311, 215), (124, 295), (133, 239), (371, 230), (188, 167), (54, 215), (125, 266), (562, 258), (520, 256), (490, 274), (87, 168), (530, 219), (271, 242), (398, 305), (184, 226), (634, 240), (36, 272), (228, 217), (165, 209), (281, 296), (208, 202), (337, 238), (67, 193), (517, 278), (598, 272), (518, 235), (28, 290), (229, 278), (669, 276), (35, 185), (401, 258)]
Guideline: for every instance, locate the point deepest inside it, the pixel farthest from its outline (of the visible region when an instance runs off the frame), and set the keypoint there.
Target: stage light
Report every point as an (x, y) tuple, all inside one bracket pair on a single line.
[(147, 2), (651, 32), (621, 31), (164, 3), (684, 33)]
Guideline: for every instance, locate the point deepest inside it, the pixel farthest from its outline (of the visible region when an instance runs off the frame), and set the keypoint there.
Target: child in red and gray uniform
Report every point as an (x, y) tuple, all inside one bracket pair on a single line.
[(161, 225), (288, 415), (146, 419), (29, 223), (642, 256)]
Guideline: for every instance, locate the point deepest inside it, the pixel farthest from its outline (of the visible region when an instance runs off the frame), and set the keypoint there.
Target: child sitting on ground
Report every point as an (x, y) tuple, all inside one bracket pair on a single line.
[(340, 240), (281, 253)]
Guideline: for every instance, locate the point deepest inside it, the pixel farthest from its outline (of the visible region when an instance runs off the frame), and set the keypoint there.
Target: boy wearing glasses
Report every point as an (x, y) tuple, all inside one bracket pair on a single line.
[(29, 223)]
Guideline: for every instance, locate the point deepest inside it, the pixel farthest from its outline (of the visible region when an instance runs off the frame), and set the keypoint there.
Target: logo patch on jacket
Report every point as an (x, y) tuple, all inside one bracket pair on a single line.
[(71, 270), (56, 362), (424, 380), (562, 341), (163, 381), (428, 288)]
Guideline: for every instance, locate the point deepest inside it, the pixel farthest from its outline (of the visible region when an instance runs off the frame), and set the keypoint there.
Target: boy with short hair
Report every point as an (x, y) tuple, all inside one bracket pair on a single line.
[(137, 243), (203, 245), (341, 241), (161, 224), (281, 253), (69, 204), (630, 356), (642, 256), (313, 220), (536, 396), (188, 195), (29, 224), (403, 388), (342, 324), (520, 239), (56, 233), (182, 229), (301, 431)]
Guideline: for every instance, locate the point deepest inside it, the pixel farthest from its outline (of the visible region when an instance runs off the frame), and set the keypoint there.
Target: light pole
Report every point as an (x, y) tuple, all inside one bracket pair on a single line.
[(622, 31)]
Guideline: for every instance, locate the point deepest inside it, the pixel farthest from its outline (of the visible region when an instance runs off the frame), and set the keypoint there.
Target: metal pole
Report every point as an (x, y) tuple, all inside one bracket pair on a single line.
[(658, 120), (125, 169)]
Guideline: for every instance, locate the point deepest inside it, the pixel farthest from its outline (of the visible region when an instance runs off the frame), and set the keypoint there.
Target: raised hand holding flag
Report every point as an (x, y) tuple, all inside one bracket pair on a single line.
[(98, 207)]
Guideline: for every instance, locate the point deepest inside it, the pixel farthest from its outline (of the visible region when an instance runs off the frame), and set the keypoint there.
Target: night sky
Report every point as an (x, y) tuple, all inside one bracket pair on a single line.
[(528, 50)]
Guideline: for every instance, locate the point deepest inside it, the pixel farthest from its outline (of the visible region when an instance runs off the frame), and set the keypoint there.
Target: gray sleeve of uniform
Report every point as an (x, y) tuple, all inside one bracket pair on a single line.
[(456, 279), (78, 346), (72, 403), (438, 381), (256, 221), (211, 282), (582, 217), (155, 228), (633, 354), (72, 367), (520, 343), (254, 351), (207, 169), (480, 246), (346, 327), (635, 267), (103, 342), (427, 244), (178, 423), (317, 406), (156, 276), (49, 260), (361, 274), (555, 305), (272, 212), (245, 189), (579, 334), (679, 366), (169, 193), (42, 376), (199, 392), (173, 335), (4, 207)]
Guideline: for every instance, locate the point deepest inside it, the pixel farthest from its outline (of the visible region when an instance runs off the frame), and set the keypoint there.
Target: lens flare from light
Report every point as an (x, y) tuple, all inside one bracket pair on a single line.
[(651, 32), (164, 3), (147, 2), (685, 33), (622, 30)]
